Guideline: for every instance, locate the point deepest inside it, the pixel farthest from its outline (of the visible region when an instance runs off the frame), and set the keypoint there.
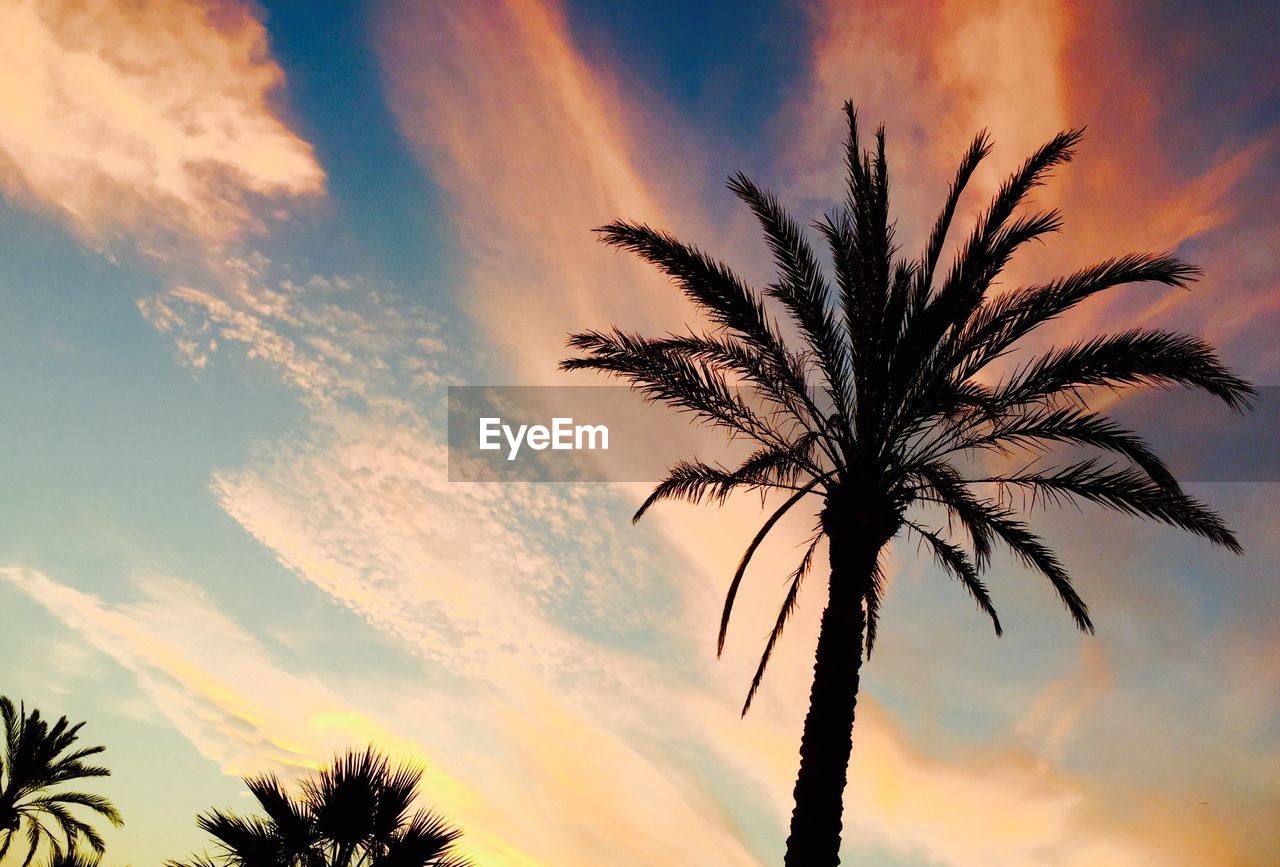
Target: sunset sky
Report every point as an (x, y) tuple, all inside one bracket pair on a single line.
[(244, 249)]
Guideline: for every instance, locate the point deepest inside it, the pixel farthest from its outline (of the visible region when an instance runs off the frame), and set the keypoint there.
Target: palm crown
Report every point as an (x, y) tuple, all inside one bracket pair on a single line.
[(890, 387), (358, 812), (38, 759)]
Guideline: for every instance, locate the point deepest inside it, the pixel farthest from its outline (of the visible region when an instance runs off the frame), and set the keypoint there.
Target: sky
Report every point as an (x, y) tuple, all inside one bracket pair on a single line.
[(245, 248)]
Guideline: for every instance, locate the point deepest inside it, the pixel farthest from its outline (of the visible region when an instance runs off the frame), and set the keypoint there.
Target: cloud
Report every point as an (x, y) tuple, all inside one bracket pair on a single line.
[(545, 792), (971, 67), (979, 806), (534, 146), (218, 686), (590, 653), (1050, 722), (495, 589), (205, 673), (140, 117), (330, 337)]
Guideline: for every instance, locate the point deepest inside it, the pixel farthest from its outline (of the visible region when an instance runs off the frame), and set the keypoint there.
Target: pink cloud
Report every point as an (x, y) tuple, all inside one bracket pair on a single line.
[(535, 146), (124, 117)]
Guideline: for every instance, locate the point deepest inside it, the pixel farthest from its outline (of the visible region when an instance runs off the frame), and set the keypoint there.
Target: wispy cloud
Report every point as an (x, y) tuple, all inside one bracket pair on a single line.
[(218, 685), (330, 337), (155, 117), (547, 791), (503, 589), (205, 673), (362, 511), (583, 648), (535, 146)]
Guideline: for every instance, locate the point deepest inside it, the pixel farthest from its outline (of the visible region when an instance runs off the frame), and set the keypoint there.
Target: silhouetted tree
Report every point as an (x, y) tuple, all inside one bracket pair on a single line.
[(39, 758), (73, 858), (888, 386), (355, 813)]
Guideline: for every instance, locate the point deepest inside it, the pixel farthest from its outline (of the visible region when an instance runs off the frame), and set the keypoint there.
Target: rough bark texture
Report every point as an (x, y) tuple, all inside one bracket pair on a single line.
[(816, 821)]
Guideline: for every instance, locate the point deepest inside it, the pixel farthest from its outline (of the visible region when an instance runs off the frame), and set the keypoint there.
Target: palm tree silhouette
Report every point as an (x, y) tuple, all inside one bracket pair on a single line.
[(38, 758), (889, 386), (73, 858), (355, 813)]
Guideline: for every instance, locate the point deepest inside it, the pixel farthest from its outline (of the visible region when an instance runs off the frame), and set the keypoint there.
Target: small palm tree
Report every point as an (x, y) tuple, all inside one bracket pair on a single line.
[(355, 813), (884, 402), (38, 758)]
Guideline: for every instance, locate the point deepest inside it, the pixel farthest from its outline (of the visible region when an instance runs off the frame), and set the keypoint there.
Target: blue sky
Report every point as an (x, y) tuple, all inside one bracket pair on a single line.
[(245, 254)]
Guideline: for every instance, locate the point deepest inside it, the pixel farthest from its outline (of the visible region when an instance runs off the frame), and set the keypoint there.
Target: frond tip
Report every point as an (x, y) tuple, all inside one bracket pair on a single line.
[(1129, 491), (957, 564), (759, 538), (787, 608)]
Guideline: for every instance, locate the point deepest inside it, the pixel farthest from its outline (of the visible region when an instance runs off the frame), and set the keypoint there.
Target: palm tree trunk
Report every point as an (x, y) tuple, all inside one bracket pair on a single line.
[(828, 728)]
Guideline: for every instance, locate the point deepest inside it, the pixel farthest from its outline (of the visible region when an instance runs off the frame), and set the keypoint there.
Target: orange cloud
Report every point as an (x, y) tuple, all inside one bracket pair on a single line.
[(938, 72), (535, 147), (934, 73), (123, 116), (966, 808)]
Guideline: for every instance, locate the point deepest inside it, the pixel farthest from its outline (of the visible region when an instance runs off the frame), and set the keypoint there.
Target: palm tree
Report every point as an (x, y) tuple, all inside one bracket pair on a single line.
[(885, 399), (354, 813), (38, 758)]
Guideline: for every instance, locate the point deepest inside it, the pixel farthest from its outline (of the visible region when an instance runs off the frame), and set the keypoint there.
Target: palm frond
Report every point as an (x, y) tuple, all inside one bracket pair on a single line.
[(668, 377), (923, 367), (987, 522), (782, 385), (784, 614), (720, 293), (953, 560), (1003, 321), (1041, 425), (942, 483), (97, 803), (74, 858), (871, 603), (993, 240), (1034, 554), (923, 284), (698, 482), (756, 541), (1135, 357), (422, 842), (801, 288), (246, 835), (1125, 490)]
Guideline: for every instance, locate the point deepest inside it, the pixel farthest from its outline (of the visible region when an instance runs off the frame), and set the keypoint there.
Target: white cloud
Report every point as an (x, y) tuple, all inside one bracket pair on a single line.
[(328, 337), (128, 116)]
